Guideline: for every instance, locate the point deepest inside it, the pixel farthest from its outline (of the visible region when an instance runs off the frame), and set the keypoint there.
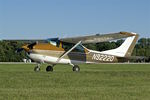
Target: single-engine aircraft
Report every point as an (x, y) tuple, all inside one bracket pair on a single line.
[(71, 50)]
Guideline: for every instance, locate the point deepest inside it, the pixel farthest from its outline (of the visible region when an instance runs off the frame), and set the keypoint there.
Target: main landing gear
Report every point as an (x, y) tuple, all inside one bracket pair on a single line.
[(49, 68), (76, 68)]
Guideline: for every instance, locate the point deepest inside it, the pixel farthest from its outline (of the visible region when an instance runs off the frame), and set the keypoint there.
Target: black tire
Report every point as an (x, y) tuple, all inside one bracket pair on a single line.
[(76, 68), (36, 69), (49, 68)]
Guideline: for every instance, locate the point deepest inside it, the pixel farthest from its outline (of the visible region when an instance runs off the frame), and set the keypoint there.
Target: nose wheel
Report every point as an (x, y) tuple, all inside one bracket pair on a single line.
[(49, 68), (76, 68), (37, 68)]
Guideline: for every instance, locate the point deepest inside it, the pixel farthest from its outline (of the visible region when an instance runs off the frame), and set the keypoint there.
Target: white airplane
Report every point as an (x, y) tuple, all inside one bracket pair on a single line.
[(71, 50)]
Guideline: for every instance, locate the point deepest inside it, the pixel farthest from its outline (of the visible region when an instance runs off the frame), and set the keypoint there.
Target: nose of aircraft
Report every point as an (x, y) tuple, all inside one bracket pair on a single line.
[(27, 48)]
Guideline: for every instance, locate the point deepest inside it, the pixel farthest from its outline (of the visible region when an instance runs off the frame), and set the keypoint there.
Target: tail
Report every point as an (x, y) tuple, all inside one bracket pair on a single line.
[(125, 50)]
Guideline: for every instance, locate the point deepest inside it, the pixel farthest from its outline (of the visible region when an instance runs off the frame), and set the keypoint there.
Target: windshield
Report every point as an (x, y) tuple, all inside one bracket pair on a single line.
[(53, 41)]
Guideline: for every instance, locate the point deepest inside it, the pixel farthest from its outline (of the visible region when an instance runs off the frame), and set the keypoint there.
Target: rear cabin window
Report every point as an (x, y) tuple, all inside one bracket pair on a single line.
[(68, 46)]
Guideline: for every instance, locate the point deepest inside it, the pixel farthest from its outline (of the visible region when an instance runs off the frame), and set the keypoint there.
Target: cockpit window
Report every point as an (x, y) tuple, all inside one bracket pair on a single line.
[(53, 41)]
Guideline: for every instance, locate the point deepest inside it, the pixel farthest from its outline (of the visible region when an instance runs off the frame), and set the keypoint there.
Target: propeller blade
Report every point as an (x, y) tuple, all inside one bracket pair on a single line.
[(30, 46), (26, 47)]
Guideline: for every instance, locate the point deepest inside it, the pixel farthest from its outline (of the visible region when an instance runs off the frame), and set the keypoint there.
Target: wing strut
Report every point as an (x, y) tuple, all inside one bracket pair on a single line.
[(68, 51)]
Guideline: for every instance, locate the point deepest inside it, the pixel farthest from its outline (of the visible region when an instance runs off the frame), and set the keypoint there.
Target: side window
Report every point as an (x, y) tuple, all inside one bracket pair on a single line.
[(79, 48), (68, 46)]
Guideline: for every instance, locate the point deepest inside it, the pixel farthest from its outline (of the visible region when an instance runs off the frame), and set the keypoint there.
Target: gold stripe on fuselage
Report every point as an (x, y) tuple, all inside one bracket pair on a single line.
[(47, 46)]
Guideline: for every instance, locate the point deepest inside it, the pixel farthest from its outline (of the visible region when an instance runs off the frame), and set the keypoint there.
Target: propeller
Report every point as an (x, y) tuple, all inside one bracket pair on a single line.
[(26, 47), (30, 46)]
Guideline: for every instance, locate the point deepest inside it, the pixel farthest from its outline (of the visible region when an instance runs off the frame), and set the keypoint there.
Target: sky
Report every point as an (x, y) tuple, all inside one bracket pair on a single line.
[(42, 19)]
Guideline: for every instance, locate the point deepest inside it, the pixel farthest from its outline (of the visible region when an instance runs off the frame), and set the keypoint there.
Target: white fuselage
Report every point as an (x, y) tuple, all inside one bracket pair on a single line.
[(52, 60)]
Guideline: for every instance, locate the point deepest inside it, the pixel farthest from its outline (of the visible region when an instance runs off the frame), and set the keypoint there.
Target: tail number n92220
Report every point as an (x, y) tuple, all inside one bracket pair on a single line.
[(102, 57)]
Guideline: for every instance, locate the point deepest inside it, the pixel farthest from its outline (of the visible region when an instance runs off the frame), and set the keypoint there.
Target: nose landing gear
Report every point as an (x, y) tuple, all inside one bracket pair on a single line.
[(37, 68)]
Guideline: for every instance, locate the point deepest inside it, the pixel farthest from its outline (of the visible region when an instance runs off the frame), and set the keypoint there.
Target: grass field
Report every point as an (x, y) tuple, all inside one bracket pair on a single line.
[(93, 82)]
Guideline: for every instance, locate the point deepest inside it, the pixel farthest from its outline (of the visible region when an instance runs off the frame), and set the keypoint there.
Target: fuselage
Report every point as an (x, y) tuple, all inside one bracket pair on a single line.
[(49, 53)]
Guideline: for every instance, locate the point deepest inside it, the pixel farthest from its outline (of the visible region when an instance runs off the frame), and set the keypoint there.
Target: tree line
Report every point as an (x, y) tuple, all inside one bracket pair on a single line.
[(8, 48)]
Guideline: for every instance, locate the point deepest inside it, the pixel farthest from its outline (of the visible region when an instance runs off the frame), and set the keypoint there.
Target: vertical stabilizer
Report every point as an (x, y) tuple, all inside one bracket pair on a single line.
[(125, 50)]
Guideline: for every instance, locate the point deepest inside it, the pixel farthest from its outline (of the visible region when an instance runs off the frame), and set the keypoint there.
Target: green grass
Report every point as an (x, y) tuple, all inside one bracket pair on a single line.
[(93, 82)]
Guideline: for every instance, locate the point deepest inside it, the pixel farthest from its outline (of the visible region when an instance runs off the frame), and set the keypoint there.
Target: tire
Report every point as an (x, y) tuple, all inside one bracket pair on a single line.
[(49, 68), (76, 68), (36, 69)]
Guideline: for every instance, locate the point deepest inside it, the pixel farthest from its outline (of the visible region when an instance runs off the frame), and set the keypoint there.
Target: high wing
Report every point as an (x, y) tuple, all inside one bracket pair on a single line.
[(93, 39), (97, 38)]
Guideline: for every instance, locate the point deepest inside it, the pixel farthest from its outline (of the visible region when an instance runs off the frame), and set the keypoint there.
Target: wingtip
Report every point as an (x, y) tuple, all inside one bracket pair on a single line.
[(129, 33)]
